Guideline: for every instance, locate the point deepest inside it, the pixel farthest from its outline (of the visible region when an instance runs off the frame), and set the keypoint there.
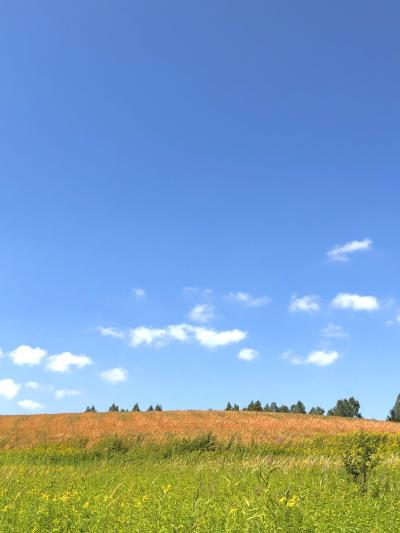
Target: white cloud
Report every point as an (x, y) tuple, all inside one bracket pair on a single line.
[(32, 385), (8, 388), (214, 339), (342, 252), (202, 313), (63, 362), (1, 353), (111, 332), (184, 333), (307, 304), (356, 302), (144, 335), (26, 355), (139, 293), (333, 331), (248, 354), (30, 405), (318, 358), (62, 393), (247, 299), (115, 375), (321, 358)]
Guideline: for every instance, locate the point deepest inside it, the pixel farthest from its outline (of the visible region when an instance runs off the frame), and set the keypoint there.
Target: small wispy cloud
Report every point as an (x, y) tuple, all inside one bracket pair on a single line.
[(394, 321), (65, 361), (247, 299), (342, 252), (205, 294), (332, 331), (355, 302), (115, 375), (32, 385), (62, 393), (9, 388), (26, 355), (111, 332), (202, 313), (139, 293), (30, 405), (248, 354), (307, 304), (210, 338), (317, 357)]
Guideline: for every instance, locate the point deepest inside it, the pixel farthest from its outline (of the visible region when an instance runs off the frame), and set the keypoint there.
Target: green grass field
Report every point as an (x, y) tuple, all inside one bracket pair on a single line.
[(196, 485)]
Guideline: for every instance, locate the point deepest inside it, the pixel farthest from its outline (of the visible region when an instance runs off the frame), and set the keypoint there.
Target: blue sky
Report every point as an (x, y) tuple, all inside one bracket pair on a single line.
[(211, 155)]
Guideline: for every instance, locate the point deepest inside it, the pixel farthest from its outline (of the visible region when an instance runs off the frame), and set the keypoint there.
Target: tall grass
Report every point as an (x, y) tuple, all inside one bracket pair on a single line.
[(199, 484)]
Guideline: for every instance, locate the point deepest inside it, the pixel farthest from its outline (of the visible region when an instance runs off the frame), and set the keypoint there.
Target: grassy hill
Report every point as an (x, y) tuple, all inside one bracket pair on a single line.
[(245, 427)]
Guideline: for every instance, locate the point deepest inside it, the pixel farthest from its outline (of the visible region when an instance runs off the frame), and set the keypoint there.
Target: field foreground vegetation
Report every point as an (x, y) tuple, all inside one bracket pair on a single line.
[(205, 471)]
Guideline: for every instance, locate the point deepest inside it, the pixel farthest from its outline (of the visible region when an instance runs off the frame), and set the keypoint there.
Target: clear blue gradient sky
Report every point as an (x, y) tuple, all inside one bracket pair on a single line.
[(220, 145)]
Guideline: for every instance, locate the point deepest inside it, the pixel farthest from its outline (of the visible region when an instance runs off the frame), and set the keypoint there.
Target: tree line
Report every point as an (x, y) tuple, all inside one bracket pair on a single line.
[(116, 409), (349, 408)]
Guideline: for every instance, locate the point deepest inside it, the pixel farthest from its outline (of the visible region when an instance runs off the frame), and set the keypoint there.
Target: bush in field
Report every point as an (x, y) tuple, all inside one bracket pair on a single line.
[(110, 447), (113, 408), (202, 443), (316, 411), (394, 415), (348, 408), (361, 457), (90, 409)]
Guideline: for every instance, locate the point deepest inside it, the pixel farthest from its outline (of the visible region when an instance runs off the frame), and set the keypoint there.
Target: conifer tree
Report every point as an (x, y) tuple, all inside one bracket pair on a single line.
[(158, 407), (394, 415), (228, 407), (316, 411), (349, 408), (136, 407), (257, 406), (283, 409), (298, 408), (273, 407)]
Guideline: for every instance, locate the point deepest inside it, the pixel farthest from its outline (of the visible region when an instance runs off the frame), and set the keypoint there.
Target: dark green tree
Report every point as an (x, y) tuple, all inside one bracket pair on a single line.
[(113, 408), (316, 411), (236, 407), (273, 407), (298, 408), (257, 406), (349, 408), (90, 409), (158, 407), (136, 408), (394, 415), (267, 408), (283, 409), (150, 408), (228, 407), (250, 407)]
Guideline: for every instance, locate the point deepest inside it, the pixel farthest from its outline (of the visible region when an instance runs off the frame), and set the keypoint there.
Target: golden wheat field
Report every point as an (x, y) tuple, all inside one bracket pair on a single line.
[(247, 427)]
